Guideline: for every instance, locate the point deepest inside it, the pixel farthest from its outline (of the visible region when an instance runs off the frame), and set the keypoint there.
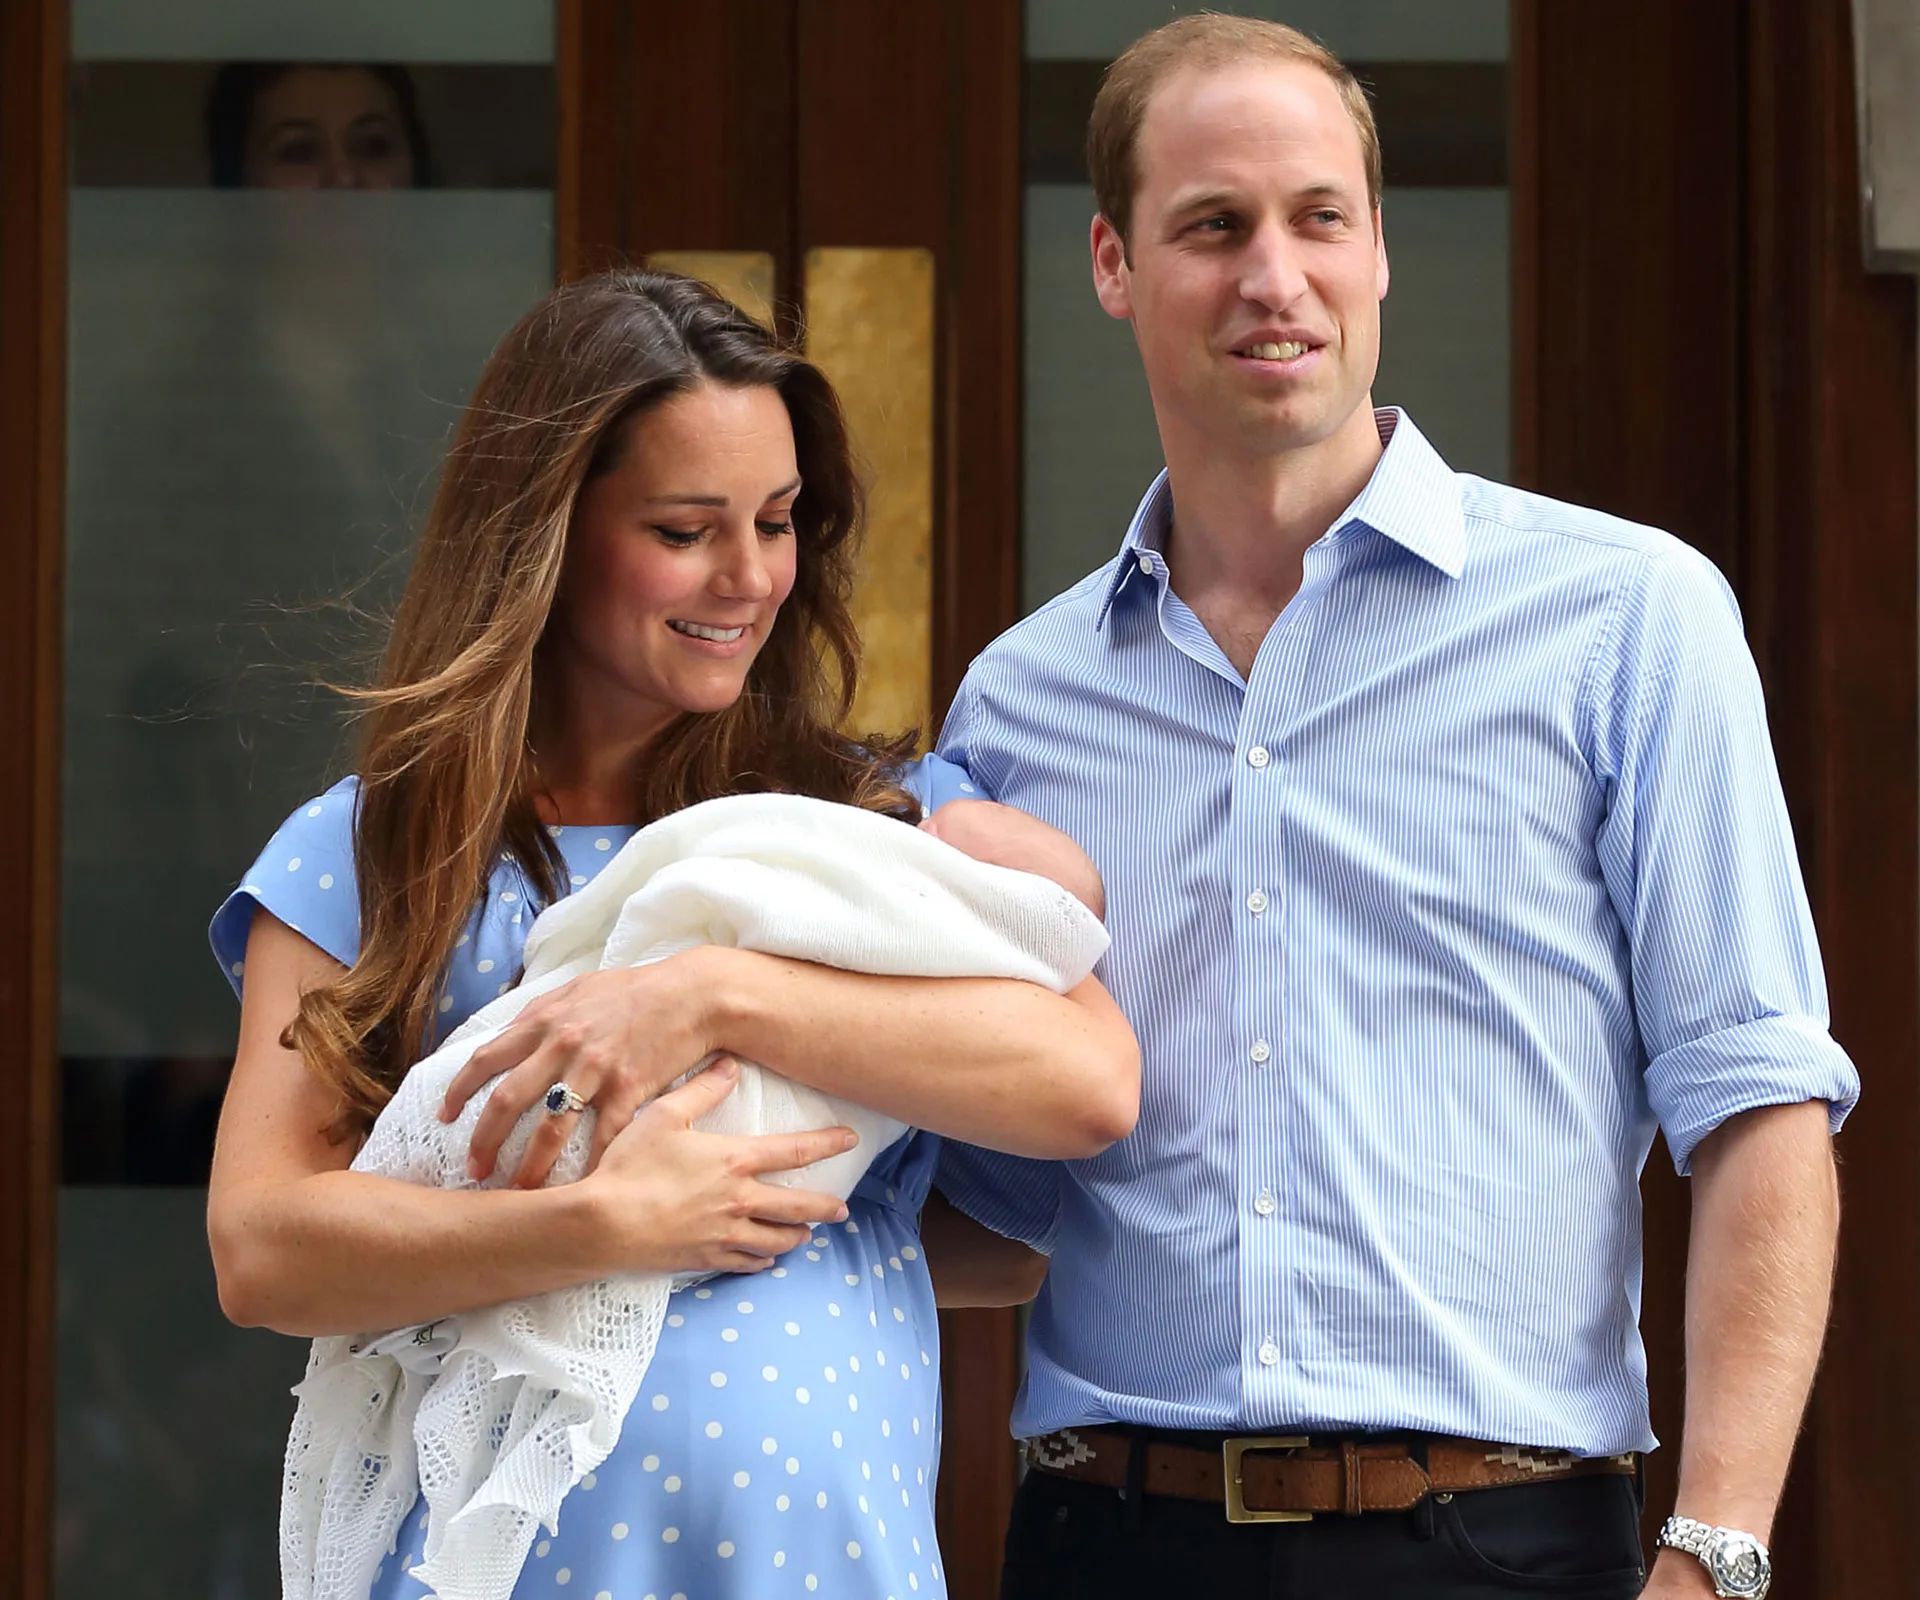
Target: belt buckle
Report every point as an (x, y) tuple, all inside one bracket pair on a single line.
[(1232, 1452)]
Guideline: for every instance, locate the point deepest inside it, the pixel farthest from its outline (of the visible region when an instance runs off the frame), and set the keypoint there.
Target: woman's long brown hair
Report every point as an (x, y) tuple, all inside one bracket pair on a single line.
[(447, 781)]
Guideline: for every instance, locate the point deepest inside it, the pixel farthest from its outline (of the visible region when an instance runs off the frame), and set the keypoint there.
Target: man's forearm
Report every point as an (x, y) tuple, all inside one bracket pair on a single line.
[(1759, 1277)]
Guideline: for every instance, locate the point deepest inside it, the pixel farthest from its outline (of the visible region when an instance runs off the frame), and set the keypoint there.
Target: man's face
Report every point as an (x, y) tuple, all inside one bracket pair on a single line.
[(1256, 265)]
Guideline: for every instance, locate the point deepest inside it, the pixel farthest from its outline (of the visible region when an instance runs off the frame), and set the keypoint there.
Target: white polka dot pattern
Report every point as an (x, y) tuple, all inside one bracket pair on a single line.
[(725, 1481)]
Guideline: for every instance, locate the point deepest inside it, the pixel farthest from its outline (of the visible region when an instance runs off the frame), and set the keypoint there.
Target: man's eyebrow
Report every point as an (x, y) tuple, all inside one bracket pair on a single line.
[(1226, 199), (1203, 200)]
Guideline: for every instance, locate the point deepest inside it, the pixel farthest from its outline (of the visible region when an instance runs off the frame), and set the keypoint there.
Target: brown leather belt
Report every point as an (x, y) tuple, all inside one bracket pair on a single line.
[(1289, 1478)]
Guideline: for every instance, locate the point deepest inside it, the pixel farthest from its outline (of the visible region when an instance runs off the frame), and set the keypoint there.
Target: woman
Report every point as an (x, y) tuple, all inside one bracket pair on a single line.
[(630, 595), (313, 125)]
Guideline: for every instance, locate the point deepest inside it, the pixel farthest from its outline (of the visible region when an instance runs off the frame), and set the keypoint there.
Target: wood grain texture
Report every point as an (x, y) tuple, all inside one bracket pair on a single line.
[(977, 535), (712, 132), (1700, 347), (590, 185), (1832, 528), (33, 98)]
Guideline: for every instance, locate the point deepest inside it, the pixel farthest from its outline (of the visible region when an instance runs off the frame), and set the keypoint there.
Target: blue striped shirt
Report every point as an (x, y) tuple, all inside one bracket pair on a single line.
[(1483, 872)]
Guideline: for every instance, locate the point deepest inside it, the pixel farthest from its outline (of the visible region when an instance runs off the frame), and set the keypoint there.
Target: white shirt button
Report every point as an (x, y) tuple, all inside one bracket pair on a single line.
[(1146, 563), (1256, 902), (1257, 757), (1269, 1354), (1265, 1204), (1261, 1052)]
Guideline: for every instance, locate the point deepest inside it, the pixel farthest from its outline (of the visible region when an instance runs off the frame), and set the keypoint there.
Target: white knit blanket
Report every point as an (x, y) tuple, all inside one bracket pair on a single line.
[(492, 1416)]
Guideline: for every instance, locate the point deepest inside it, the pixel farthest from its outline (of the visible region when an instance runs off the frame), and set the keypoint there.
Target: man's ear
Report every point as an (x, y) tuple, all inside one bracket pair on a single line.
[(1112, 278), (1380, 272)]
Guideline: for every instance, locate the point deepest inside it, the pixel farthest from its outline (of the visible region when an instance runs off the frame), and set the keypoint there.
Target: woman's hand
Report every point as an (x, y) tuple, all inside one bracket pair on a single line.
[(615, 1038), (680, 1200)]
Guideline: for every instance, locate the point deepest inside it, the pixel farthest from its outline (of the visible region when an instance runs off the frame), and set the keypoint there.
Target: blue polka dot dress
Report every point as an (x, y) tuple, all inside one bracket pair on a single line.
[(786, 1437)]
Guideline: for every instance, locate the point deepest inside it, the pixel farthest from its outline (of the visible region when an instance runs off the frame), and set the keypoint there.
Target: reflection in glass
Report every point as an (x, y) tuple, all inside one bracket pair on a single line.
[(302, 125), (181, 124)]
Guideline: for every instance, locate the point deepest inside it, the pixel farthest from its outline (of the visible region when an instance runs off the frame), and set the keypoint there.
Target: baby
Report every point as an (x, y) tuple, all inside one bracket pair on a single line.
[(494, 1414), (1005, 837)]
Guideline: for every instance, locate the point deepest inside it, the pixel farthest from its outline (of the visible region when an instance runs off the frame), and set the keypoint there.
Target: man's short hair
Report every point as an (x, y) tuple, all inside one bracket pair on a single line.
[(1208, 41)]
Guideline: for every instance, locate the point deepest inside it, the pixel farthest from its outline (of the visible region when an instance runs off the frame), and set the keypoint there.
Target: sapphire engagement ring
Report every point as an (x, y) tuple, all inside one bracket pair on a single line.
[(561, 1099)]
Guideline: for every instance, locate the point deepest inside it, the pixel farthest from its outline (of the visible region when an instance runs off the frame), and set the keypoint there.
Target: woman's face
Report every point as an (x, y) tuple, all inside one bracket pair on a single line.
[(328, 128), (678, 560)]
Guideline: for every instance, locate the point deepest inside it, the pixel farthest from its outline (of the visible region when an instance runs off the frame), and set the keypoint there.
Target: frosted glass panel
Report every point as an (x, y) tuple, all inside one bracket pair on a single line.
[(340, 30), (261, 386), (1090, 448), (172, 1421), (1444, 351), (1361, 30)]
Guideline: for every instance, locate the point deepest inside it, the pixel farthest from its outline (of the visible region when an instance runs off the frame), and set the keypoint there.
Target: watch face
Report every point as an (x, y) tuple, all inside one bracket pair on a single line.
[(1739, 1565)]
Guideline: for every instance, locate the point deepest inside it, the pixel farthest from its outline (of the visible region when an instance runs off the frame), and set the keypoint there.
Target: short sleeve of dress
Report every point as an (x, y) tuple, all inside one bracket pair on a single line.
[(933, 782), (305, 878)]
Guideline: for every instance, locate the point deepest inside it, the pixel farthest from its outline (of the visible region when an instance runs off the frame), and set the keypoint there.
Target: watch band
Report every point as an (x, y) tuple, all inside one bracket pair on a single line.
[(1737, 1563), (1686, 1535)]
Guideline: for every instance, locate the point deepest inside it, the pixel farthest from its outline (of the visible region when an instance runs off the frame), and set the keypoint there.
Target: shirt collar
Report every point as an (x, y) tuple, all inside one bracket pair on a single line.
[(1413, 498)]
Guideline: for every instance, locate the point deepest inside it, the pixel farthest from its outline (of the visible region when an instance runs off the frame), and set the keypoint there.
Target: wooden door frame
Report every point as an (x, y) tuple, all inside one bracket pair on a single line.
[(1765, 409), (33, 102)]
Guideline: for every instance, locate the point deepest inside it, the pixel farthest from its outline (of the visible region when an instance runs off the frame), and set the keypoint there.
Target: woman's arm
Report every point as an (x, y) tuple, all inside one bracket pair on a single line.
[(993, 1061), (971, 1264), (303, 1245)]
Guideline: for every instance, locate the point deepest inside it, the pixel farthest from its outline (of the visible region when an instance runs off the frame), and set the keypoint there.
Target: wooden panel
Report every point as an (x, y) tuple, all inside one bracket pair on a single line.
[(977, 537), (590, 185), (1832, 529), (710, 141), (32, 349), (873, 159), (1637, 243), (1698, 345)]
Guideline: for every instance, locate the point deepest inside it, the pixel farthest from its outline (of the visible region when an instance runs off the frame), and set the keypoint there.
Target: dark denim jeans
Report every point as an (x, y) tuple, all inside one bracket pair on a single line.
[(1578, 1539)]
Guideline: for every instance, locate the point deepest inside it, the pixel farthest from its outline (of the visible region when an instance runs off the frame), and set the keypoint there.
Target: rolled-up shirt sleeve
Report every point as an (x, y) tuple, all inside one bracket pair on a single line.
[(1699, 862)]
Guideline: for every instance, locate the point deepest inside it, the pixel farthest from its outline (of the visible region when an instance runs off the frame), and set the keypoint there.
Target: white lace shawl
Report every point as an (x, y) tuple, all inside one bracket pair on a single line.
[(494, 1415)]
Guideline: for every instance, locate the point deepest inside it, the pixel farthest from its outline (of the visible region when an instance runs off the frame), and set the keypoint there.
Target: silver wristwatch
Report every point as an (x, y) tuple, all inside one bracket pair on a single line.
[(1736, 1562)]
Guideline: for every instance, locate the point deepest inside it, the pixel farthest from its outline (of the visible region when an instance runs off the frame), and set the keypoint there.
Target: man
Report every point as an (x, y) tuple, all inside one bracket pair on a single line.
[(1445, 857)]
